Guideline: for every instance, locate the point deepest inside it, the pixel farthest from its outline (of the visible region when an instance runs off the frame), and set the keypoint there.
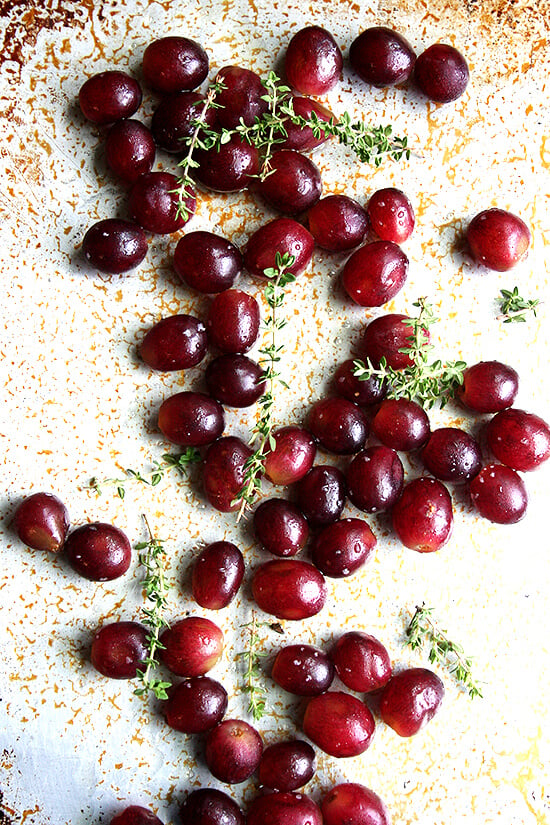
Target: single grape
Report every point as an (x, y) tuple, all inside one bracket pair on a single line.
[(519, 439), (223, 473), (375, 479), (423, 516), (313, 61), (289, 589), (119, 649), (208, 806), (338, 425), (283, 809), (153, 203), (498, 239), (451, 454), (233, 751), (171, 64), (401, 424), (242, 97), (99, 552), (291, 457), (136, 815), (114, 246), (364, 393), (109, 96), (42, 522), (382, 57), (411, 699), (375, 273), (129, 150), (196, 705), (191, 419), (340, 549), (303, 670), (283, 236), (339, 724), (293, 184), (229, 168), (488, 387), (386, 337), (321, 495), (217, 575), (280, 527), (287, 766), (174, 120), (302, 138), (207, 262), (338, 223), (498, 494), (391, 215), (191, 646), (175, 343), (352, 804), (361, 661), (441, 73), (233, 321), (235, 380)]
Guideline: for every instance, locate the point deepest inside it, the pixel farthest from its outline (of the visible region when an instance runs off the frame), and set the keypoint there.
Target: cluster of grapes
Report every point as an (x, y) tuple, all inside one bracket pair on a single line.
[(287, 588)]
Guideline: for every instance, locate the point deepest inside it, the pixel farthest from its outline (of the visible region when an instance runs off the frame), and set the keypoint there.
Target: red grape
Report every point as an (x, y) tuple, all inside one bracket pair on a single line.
[(361, 661), (339, 724), (498, 239), (382, 57), (338, 425), (519, 439), (229, 168), (423, 516), (375, 479), (129, 150), (385, 337), (321, 495), (196, 705), (241, 98), (233, 321), (340, 549), (153, 203), (175, 343), (375, 273), (498, 494), (302, 138), (338, 223), (119, 649), (391, 215), (135, 815), (171, 64), (291, 457), (488, 387), (42, 522), (441, 73), (191, 419), (411, 699), (217, 575), (235, 380), (99, 552), (109, 96), (303, 670), (174, 118), (114, 246), (280, 527), (452, 455), (287, 766), (293, 183), (283, 236), (289, 589), (207, 262), (233, 751), (401, 424), (352, 804), (283, 809), (313, 61), (223, 473), (192, 646), (208, 806), (364, 393)]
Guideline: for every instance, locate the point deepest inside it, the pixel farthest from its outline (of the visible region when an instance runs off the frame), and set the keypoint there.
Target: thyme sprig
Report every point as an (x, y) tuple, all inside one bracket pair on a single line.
[(514, 308), (257, 694), (423, 628), (152, 558), (168, 462), (270, 354), (424, 382)]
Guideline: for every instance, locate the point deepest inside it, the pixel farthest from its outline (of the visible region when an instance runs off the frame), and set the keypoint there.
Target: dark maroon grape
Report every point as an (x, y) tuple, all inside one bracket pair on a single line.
[(352, 804), (441, 73), (171, 64), (42, 522), (339, 724), (217, 575), (519, 439), (293, 183), (337, 223), (283, 809), (401, 424), (386, 337), (119, 649), (191, 419), (291, 457), (375, 273), (192, 646), (382, 57), (233, 751), (223, 473), (340, 549), (229, 168), (235, 380), (136, 815), (498, 239), (498, 494), (280, 527), (175, 343), (488, 387), (321, 495), (375, 479), (154, 204), (410, 699), (289, 589), (338, 425), (360, 392), (287, 766), (423, 516), (196, 705), (452, 455), (313, 61), (303, 670), (302, 138), (361, 661), (109, 96), (208, 806), (241, 97), (280, 236), (391, 215), (114, 246), (174, 118), (207, 262), (233, 321), (99, 552), (129, 150)]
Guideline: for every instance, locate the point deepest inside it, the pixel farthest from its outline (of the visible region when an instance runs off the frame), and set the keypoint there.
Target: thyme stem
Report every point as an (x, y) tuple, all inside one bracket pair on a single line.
[(513, 307), (169, 461), (252, 655)]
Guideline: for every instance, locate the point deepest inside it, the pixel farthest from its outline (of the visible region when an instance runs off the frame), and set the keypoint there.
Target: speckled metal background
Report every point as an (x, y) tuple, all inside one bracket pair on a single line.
[(77, 402)]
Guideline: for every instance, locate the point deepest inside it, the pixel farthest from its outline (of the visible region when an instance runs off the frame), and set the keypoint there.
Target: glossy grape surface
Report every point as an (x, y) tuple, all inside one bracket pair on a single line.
[(175, 343), (384, 337), (109, 96), (313, 61), (293, 183), (498, 239), (303, 670), (98, 551), (302, 138), (452, 455), (114, 246), (375, 479), (223, 472), (340, 549), (361, 661), (352, 804), (287, 766), (391, 215), (217, 575), (235, 380), (233, 751), (129, 150), (136, 815), (519, 439), (349, 386), (423, 516), (499, 494), (375, 273), (401, 424), (339, 724), (42, 522), (173, 120), (339, 425), (289, 589), (281, 235), (192, 646), (191, 419), (231, 168), (280, 527), (208, 806), (119, 649), (233, 321), (441, 73), (153, 203), (321, 495), (382, 57), (242, 97), (207, 262), (172, 64), (411, 699), (284, 809), (489, 387), (292, 456), (196, 705), (338, 223)]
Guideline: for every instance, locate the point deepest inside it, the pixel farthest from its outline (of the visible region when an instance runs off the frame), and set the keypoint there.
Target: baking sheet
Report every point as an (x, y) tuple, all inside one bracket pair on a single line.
[(75, 747)]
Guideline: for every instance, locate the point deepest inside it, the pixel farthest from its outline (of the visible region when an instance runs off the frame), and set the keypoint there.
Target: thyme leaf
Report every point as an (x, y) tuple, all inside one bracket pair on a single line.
[(252, 656), (514, 308), (168, 461)]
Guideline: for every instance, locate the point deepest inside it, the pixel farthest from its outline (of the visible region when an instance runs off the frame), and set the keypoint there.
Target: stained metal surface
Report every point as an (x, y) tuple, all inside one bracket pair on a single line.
[(77, 402)]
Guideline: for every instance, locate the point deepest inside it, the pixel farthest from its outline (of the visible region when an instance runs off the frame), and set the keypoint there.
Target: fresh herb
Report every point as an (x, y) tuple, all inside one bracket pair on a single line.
[(421, 381), (513, 307), (152, 558), (423, 628), (252, 656), (271, 133), (168, 462), (262, 438)]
